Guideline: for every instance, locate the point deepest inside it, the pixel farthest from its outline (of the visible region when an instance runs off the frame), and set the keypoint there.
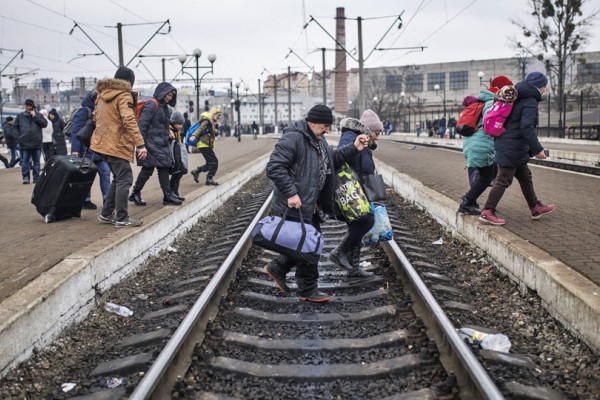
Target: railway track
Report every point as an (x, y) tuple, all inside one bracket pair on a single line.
[(370, 340), (550, 163), (217, 328)]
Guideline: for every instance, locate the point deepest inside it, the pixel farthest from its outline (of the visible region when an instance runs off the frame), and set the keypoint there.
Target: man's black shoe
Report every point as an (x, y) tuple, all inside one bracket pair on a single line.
[(136, 198), (279, 280), (88, 205)]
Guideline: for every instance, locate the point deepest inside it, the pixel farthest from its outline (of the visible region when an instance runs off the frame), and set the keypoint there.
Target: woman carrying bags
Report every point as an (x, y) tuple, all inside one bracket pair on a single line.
[(347, 253)]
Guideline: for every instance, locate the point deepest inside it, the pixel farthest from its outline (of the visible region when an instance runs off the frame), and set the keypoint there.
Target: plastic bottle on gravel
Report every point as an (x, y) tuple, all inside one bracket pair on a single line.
[(471, 335), (496, 341), (117, 309)]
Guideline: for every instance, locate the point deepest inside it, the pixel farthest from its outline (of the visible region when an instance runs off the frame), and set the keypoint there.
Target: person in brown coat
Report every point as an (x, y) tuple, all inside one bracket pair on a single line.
[(116, 137)]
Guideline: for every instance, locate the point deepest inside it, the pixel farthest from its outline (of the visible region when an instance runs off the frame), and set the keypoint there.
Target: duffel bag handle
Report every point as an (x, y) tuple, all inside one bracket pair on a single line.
[(280, 225)]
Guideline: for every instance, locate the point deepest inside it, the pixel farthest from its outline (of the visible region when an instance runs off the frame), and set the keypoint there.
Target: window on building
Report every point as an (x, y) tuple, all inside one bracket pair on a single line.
[(459, 80), (588, 73), (436, 78), (414, 83), (393, 83)]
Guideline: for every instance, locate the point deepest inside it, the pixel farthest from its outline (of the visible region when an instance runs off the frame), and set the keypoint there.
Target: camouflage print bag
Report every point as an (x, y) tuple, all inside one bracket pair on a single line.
[(349, 194)]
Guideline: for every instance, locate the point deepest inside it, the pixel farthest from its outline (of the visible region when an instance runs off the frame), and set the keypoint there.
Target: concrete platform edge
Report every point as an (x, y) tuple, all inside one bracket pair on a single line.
[(65, 294), (570, 297)]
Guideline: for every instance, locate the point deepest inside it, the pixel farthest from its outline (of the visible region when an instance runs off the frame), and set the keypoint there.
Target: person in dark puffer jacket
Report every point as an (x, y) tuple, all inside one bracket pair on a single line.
[(154, 126), (28, 125), (78, 149), (301, 168), (517, 144), (58, 138), (10, 136)]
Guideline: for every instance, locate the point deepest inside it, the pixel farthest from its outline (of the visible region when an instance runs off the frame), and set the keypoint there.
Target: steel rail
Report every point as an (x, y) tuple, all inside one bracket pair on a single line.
[(476, 378), (155, 382)]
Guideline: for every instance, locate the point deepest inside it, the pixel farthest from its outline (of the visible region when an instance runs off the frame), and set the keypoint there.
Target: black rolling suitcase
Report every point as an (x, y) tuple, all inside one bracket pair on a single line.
[(63, 185)]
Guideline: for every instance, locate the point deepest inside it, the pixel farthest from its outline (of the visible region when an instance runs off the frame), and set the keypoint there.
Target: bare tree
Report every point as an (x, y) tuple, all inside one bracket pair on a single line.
[(384, 87), (558, 27)]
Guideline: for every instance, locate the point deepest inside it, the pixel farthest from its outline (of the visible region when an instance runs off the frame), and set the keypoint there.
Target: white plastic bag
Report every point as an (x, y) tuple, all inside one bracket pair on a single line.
[(382, 228)]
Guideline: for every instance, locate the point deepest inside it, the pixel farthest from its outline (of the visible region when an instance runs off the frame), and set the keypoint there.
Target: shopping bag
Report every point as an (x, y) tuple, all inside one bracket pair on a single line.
[(349, 194), (297, 240), (375, 188), (382, 228)]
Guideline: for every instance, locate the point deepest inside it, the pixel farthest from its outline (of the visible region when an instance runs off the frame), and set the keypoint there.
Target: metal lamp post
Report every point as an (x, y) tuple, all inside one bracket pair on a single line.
[(436, 87), (547, 57), (480, 75), (198, 80), (403, 95), (238, 127)]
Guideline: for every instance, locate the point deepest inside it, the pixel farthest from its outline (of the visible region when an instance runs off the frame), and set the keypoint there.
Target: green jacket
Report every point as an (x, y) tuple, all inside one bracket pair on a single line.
[(479, 148)]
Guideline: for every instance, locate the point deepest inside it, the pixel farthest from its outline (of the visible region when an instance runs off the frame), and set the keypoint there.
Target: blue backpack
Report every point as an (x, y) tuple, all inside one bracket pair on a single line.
[(190, 138)]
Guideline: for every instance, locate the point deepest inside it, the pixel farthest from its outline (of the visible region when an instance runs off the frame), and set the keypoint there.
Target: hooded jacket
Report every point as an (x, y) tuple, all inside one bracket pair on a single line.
[(10, 135), (29, 130), (362, 163), (154, 126), (519, 141), (80, 118), (294, 169), (117, 133), (478, 148), (207, 122), (58, 138)]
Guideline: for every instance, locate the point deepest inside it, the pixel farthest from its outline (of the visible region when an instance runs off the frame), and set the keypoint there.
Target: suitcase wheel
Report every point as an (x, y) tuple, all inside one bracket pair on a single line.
[(49, 218)]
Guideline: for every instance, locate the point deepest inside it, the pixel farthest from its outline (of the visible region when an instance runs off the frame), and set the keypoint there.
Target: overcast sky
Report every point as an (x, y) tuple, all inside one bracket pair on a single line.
[(249, 36)]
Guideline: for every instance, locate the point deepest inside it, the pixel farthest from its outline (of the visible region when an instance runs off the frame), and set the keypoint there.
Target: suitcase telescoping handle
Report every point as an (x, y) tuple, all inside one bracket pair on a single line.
[(84, 167)]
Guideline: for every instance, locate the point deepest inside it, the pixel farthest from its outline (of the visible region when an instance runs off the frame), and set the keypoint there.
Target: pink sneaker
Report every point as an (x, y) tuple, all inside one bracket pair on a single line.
[(541, 209), (489, 216)]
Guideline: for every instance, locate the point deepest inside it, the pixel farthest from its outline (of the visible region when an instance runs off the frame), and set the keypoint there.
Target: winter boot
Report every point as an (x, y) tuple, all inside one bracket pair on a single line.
[(541, 209), (178, 196), (170, 199), (195, 173), (342, 254), (211, 182), (490, 217), (357, 274), (136, 198), (469, 208)]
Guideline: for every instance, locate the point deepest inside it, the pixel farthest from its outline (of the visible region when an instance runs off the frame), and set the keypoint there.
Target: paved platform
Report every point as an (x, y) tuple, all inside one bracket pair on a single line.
[(557, 256), (51, 272)]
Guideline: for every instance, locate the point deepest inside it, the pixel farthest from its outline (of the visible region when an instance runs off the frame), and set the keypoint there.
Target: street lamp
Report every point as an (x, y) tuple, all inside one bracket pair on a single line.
[(547, 57), (480, 75), (196, 54), (403, 95), (436, 87), (238, 127)]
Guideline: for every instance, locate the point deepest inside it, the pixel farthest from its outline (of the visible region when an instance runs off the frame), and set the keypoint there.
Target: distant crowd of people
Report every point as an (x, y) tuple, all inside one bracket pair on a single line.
[(155, 135)]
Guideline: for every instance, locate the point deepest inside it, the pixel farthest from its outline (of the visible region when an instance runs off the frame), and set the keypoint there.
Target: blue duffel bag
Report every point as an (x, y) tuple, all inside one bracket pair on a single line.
[(297, 240)]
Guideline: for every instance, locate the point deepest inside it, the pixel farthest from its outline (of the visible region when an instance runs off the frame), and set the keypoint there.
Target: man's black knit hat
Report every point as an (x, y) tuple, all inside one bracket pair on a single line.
[(320, 114), (125, 74)]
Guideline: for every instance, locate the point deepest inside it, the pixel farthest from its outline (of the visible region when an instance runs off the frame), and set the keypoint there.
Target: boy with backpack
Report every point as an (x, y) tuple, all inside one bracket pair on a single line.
[(205, 137)]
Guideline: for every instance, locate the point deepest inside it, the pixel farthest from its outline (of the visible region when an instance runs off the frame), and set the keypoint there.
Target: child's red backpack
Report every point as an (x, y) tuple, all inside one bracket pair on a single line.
[(469, 118), (140, 105)]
